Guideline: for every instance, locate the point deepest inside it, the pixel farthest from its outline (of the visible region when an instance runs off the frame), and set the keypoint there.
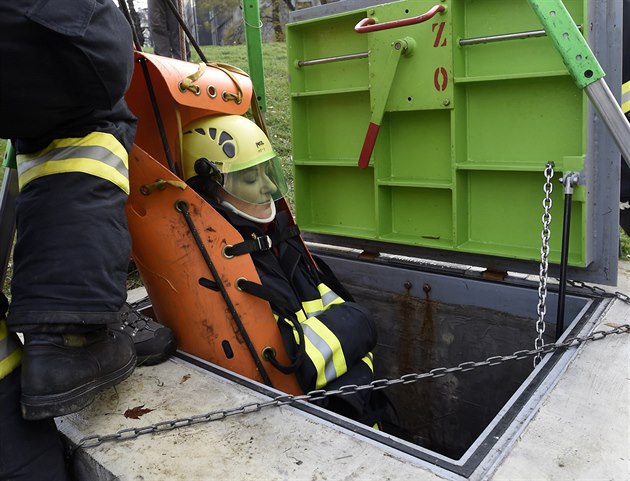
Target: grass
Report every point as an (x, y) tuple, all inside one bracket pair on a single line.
[(624, 245)]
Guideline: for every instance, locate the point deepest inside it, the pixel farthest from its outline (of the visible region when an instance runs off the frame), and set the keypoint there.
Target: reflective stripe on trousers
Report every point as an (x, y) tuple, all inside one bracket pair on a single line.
[(98, 153), (321, 345), (317, 306), (10, 352), (369, 360)]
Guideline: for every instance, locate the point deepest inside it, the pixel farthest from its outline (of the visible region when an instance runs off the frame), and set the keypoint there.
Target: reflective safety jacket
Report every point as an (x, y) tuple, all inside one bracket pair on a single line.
[(10, 346), (98, 153), (72, 117), (10, 351), (73, 85), (328, 338), (66, 65)]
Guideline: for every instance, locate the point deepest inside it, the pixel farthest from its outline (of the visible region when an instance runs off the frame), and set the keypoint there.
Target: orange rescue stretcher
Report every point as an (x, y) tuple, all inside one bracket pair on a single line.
[(179, 239)]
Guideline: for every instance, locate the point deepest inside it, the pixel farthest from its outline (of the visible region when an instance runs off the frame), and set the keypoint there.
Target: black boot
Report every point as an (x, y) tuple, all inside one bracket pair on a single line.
[(62, 373), (154, 342)]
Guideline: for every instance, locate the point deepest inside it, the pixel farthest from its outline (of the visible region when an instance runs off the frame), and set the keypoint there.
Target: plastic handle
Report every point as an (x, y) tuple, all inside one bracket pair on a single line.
[(369, 24)]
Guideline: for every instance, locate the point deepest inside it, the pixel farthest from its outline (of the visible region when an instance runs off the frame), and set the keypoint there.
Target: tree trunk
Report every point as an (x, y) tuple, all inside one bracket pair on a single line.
[(135, 18), (276, 22)]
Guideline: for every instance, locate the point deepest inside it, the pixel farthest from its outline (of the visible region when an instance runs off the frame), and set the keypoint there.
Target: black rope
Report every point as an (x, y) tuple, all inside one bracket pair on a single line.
[(182, 207), (127, 14), (158, 115), (278, 303)]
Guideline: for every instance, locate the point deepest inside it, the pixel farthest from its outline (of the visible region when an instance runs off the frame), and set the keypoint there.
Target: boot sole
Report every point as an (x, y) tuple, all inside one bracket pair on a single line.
[(35, 407), (153, 359)]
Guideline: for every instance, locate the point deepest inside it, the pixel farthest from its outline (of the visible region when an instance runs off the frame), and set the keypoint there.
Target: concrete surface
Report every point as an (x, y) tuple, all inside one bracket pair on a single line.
[(580, 431)]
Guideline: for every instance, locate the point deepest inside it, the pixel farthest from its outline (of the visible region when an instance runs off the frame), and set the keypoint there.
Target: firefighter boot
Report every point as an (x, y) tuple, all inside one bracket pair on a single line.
[(154, 342), (62, 373)]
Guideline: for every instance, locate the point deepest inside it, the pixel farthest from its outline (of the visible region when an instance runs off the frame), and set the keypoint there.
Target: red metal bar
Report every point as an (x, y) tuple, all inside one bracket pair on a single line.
[(369, 24), (368, 145)]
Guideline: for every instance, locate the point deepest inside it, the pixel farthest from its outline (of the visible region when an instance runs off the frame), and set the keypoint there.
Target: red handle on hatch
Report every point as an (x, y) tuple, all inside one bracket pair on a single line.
[(369, 24)]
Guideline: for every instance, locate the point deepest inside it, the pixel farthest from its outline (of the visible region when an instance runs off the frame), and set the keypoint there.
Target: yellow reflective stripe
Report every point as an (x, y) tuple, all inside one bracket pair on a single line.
[(317, 350), (317, 358), (10, 352), (332, 362), (369, 360), (94, 139), (625, 97), (10, 363), (99, 154), (314, 354), (313, 308), (329, 297)]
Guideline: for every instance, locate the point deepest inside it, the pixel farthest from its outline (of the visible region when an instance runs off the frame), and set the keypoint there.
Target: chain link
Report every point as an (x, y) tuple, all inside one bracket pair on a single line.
[(132, 433), (600, 291), (544, 261)]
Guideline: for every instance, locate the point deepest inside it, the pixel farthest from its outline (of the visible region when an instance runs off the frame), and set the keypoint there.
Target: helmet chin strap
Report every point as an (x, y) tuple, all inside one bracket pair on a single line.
[(231, 207)]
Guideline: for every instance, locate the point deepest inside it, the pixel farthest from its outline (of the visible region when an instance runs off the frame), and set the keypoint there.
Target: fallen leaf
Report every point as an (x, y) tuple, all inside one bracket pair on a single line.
[(135, 413), (185, 378)]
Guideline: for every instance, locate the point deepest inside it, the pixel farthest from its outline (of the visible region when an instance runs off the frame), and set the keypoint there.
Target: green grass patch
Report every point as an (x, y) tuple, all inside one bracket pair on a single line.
[(624, 245)]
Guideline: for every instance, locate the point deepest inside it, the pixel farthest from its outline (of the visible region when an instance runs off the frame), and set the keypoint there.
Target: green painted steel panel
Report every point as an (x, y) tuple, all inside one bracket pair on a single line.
[(465, 133)]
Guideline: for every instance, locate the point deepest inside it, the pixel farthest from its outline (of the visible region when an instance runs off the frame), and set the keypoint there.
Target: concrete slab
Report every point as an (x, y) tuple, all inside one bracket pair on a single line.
[(580, 431), (278, 443)]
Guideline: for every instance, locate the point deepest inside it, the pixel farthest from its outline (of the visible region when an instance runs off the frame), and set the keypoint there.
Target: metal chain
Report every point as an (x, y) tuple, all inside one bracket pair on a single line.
[(218, 415), (599, 291), (544, 261)]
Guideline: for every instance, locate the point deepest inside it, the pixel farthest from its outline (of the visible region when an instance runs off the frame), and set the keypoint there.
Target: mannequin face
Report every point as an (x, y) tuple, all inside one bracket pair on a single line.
[(251, 185)]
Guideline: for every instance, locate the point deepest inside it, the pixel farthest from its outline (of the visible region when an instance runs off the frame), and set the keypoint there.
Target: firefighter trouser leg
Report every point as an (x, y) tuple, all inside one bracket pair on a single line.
[(29, 450), (71, 255), (164, 29)]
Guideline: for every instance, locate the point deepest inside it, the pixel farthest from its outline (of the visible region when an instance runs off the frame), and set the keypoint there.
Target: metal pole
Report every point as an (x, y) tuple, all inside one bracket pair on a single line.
[(253, 37), (504, 36), (609, 111), (338, 58), (569, 180)]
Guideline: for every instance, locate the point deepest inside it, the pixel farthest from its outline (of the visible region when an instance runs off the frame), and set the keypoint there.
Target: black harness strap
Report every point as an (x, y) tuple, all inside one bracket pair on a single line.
[(262, 243), (277, 302)]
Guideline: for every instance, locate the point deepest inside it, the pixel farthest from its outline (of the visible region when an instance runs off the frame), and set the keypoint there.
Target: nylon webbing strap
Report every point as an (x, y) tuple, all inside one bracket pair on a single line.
[(262, 243), (278, 305)]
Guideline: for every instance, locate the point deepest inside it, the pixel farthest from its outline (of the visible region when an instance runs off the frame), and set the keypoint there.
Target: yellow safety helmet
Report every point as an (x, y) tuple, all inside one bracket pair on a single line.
[(226, 148)]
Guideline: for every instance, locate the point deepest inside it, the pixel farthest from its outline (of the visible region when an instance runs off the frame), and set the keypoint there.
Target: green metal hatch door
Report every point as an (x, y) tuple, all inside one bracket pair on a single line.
[(424, 127)]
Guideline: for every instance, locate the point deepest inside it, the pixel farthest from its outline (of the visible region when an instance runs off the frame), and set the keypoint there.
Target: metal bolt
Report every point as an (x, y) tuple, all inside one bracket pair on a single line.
[(408, 285), (426, 288), (446, 102)]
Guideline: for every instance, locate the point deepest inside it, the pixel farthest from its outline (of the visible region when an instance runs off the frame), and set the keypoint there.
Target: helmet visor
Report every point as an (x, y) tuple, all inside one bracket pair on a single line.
[(258, 184)]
